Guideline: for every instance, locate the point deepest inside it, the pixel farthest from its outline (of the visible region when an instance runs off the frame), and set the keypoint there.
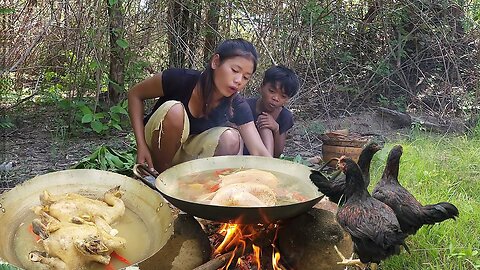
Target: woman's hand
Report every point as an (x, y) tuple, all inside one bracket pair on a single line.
[(265, 120), (252, 140), (144, 157)]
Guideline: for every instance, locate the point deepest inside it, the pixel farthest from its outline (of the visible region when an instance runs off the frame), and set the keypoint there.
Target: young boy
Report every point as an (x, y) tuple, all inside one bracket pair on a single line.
[(272, 119)]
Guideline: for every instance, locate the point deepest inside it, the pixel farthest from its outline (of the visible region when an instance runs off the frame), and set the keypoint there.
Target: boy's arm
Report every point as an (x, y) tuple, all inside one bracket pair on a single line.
[(266, 121)]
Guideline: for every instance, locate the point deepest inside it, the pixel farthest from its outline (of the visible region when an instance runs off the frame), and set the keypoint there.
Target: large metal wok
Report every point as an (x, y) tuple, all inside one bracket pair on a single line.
[(146, 203), (167, 183)]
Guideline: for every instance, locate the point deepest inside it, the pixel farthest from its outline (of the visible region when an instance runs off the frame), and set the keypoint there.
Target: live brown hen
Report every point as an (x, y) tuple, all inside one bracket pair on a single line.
[(411, 214), (373, 226)]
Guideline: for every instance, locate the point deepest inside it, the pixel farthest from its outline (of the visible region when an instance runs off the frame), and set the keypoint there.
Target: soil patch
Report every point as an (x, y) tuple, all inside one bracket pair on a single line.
[(39, 143)]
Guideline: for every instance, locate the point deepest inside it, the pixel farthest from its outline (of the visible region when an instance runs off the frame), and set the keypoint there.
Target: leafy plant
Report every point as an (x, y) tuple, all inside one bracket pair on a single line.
[(101, 122), (383, 101), (6, 10), (107, 159), (417, 129), (6, 266), (6, 123), (7, 93)]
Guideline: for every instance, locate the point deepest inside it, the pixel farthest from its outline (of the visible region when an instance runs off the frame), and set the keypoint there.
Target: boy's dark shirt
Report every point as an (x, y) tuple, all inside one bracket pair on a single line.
[(178, 84), (284, 119)]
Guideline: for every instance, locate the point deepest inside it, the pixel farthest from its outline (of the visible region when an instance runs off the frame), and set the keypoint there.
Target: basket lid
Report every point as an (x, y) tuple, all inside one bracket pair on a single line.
[(344, 138)]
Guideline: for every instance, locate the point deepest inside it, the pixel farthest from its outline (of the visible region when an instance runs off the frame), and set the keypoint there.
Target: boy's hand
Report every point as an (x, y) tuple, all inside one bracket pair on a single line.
[(265, 120)]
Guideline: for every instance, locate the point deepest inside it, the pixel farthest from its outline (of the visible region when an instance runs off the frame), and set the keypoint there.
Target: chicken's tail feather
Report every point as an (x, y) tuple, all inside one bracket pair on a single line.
[(439, 212), (324, 184), (319, 179)]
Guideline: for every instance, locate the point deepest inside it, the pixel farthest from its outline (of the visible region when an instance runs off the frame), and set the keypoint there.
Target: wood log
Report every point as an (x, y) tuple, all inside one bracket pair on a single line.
[(402, 120), (399, 119), (216, 262)]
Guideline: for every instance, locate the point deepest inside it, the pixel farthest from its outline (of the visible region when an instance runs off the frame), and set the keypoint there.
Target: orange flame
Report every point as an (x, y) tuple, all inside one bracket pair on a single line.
[(257, 253), (275, 261), (235, 237), (229, 231)]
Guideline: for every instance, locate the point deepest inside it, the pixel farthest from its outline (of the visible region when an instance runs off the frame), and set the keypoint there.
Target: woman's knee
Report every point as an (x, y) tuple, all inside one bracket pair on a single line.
[(172, 127), (229, 142), (175, 117)]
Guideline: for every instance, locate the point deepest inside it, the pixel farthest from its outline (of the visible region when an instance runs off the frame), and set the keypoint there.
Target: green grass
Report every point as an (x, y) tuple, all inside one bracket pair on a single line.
[(438, 169)]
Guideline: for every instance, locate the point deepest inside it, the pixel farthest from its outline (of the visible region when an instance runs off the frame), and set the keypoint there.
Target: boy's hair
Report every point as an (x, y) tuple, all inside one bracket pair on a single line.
[(284, 77), (229, 48)]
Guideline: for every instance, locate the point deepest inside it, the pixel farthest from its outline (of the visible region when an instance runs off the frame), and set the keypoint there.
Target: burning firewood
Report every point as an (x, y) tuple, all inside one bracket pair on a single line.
[(216, 262)]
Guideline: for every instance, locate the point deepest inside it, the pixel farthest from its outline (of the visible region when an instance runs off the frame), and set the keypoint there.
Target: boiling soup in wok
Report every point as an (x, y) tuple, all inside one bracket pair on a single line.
[(241, 187)]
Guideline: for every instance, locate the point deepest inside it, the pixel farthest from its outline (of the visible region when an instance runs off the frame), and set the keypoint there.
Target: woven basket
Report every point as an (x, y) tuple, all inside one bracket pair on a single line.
[(341, 143)]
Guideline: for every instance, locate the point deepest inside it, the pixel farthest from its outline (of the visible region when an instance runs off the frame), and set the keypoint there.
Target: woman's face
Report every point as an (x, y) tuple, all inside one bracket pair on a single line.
[(232, 75)]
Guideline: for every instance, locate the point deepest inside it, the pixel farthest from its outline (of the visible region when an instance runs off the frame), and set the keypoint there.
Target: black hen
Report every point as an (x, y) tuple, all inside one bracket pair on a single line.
[(410, 213), (334, 186), (374, 228)]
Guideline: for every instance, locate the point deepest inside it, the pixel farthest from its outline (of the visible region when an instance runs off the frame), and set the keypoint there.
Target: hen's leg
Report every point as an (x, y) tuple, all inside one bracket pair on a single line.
[(111, 197), (47, 223), (117, 206), (40, 229), (103, 224), (349, 262), (53, 262)]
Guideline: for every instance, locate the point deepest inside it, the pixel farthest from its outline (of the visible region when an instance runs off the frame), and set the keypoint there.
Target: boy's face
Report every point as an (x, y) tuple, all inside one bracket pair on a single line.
[(273, 96)]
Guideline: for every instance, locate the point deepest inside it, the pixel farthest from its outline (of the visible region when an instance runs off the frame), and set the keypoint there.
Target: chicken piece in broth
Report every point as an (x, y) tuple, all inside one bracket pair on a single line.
[(250, 176), (251, 194)]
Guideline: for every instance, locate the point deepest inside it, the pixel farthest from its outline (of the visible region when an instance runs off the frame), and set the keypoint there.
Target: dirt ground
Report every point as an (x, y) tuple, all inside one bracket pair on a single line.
[(38, 144)]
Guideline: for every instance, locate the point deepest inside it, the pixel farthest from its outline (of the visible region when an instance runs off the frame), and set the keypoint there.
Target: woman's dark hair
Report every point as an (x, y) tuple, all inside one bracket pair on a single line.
[(284, 77), (227, 49)]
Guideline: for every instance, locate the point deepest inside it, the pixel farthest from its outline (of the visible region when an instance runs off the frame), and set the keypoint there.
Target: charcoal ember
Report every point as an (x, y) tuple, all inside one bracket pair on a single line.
[(265, 236), (187, 248), (246, 264), (307, 241), (209, 227), (216, 239)]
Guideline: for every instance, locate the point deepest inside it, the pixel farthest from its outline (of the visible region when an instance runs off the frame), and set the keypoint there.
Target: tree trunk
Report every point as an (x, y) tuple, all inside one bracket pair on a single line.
[(117, 53), (211, 29), (193, 30), (183, 32), (177, 31), (6, 37)]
